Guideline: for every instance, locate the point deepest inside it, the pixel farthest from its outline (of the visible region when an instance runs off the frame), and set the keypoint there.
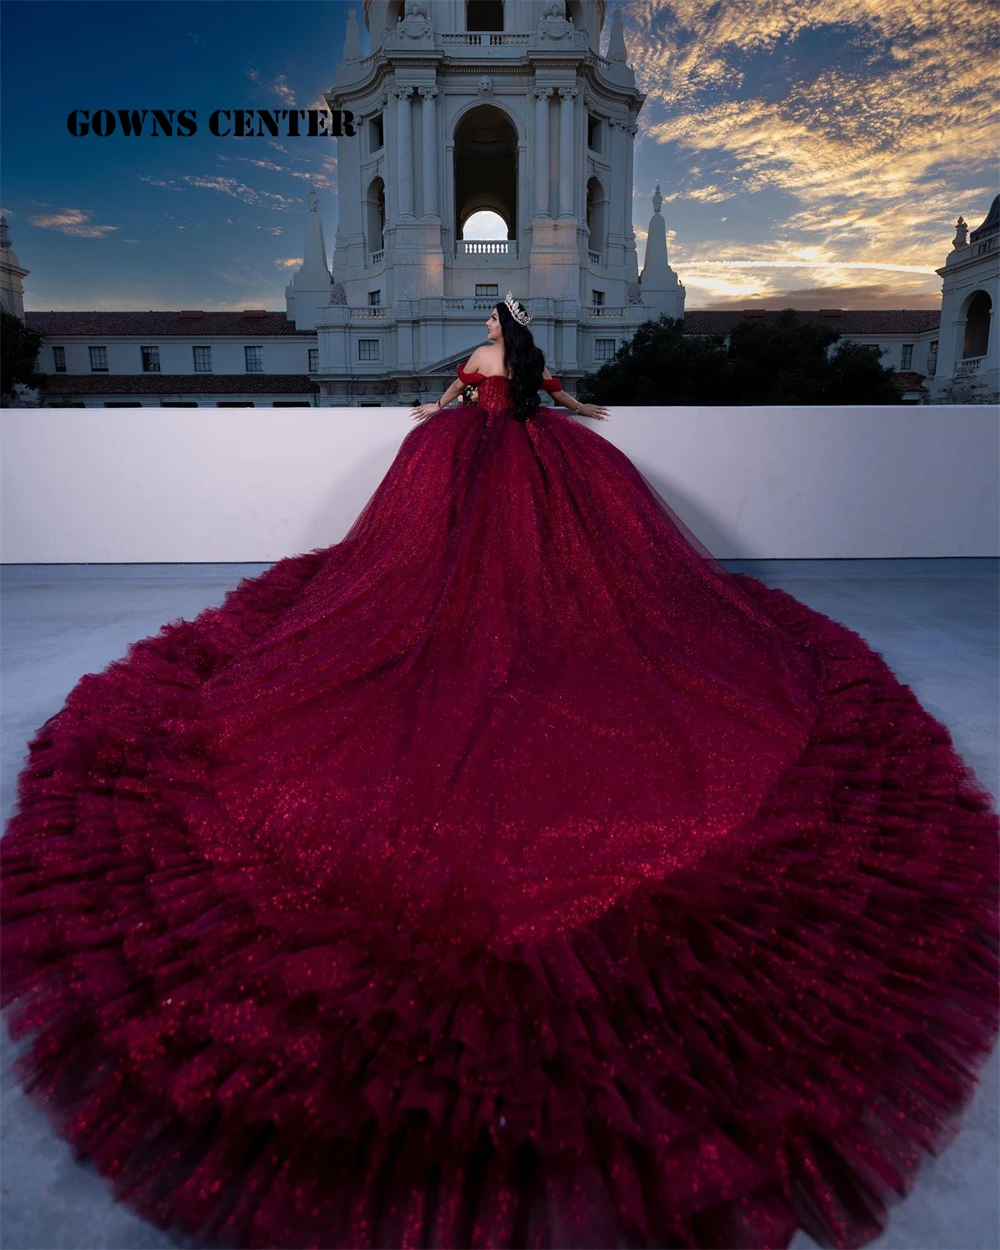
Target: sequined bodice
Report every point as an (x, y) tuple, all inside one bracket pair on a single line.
[(494, 393)]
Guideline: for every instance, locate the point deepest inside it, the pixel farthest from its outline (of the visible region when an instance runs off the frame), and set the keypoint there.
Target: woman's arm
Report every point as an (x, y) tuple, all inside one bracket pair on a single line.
[(425, 410), (596, 411)]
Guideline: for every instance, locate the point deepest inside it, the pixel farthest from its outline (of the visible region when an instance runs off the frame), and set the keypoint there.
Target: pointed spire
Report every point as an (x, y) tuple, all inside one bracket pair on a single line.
[(616, 40), (352, 38), (656, 274), (314, 273)]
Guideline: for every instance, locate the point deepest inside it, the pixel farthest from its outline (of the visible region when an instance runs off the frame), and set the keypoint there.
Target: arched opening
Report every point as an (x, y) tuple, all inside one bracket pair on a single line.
[(486, 174), (375, 220), (597, 220), (395, 13), (977, 326), (483, 15), (485, 224)]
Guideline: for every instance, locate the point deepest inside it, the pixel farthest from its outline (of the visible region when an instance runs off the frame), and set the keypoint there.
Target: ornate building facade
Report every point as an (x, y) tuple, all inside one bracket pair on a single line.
[(466, 106)]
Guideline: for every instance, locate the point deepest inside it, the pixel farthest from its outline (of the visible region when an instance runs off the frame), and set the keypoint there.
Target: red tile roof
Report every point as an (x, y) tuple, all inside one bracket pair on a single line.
[(180, 384), (907, 382), (875, 321), (251, 323)]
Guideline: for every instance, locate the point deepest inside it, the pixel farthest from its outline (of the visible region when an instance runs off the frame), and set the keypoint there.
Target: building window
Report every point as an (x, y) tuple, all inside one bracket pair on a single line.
[(122, 403), (98, 360), (254, 357), (178, 403), (604, 349), (375, 299), (593, 133), (234, 403), (368, 349), (202, 359), (150, 359), (598, 297), (907, 360), (291, 403), (376, 133), (369, 403), (313, 359), (487, 289), (59, 356)]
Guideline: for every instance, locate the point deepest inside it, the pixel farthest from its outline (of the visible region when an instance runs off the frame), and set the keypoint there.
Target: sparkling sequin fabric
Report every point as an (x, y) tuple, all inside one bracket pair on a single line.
[(506, 874)]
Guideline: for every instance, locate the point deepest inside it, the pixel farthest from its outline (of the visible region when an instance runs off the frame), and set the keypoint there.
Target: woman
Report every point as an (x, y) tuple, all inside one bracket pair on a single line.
[(508, 873)]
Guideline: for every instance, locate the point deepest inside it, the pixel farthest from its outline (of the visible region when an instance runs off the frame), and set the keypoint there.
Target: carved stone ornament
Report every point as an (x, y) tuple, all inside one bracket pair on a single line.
[(416, 25), (485, 88), (634, 293), (337, 293), (554, 26)]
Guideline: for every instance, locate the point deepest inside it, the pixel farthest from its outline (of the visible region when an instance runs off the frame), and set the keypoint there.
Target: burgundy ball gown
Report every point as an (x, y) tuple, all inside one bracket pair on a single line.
[(506, 874)]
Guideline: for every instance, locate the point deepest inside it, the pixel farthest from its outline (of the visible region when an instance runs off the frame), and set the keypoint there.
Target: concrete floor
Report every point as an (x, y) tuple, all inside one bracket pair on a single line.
[(934, 621)]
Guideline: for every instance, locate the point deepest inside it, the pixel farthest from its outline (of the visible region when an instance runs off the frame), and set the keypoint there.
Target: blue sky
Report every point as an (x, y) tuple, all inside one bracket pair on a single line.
[(810, 154)]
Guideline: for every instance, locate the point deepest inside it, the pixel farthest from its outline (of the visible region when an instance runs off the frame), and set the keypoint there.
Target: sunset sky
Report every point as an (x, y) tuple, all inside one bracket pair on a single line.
[(809, 154)]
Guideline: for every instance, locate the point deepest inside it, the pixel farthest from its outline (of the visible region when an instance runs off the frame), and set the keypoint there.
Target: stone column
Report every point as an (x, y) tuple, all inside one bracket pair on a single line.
[(429, 131), (404, 152), (630, 131), (542, 97), (615, 139), (567, 178)]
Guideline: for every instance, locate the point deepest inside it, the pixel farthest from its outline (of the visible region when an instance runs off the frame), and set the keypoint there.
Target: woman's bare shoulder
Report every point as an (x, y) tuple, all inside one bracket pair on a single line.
[(487, 360)]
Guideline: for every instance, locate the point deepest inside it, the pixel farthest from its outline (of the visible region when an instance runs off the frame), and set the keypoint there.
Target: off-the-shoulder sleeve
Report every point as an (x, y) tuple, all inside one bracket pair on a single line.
[(552, 385), (470, 378)]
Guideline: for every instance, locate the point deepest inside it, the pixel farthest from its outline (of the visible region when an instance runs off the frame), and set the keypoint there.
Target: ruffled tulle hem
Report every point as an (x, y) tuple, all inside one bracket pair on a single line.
[(741, 1050)]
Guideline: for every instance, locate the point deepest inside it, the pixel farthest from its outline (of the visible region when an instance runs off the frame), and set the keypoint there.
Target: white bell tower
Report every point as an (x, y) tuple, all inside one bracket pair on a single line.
[(471, 105)]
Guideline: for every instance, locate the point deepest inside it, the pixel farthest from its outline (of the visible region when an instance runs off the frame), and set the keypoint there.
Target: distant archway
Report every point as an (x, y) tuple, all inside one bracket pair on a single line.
[(977, 325), (597, 218), (485, 166), (375, 216)]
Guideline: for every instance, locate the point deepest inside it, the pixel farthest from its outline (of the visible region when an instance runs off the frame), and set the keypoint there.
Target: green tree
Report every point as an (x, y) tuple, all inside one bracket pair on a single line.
[(777, 360), (19, 347)]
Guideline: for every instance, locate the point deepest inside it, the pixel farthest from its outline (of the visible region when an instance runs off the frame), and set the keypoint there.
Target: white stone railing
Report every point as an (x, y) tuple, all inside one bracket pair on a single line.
[(486, 247), (604, 310), (376, 257), (595, 257), (366, 312), (475, 303), (969, 365), (486, 38), (366, 62)]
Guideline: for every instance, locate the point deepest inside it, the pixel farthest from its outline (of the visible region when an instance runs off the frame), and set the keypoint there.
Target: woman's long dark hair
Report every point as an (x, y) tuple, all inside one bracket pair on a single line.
[(524, 361)]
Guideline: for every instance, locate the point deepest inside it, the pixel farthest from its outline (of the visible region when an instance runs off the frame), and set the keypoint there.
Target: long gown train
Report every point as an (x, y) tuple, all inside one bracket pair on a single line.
[(508, 873)]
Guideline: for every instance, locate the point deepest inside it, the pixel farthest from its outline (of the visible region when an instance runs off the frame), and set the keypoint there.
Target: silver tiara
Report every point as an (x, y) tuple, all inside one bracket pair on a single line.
[(519, 315)]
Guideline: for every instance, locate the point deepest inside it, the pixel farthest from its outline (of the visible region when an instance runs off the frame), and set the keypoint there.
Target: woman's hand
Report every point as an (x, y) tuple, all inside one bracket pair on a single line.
[(595, 411), (421, 411)]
